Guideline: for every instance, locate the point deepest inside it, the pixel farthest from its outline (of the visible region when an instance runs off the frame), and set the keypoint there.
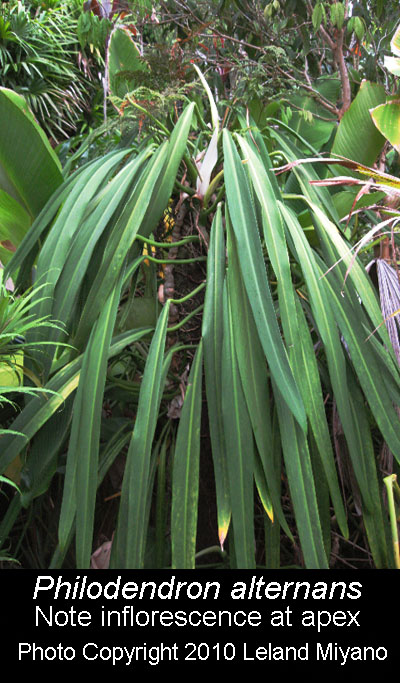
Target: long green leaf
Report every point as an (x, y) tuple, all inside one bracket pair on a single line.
[(254, 275), (302, 488), (254, 377), (83, 451), (212, 332), (39, 410), (314, 403), (240, 449), (129, 545), (321, 304), (79, 256), (185, 479), (120, 240)]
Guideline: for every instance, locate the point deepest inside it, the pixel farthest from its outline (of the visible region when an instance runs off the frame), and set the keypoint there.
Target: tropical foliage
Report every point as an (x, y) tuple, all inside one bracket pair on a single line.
[(216, 298)]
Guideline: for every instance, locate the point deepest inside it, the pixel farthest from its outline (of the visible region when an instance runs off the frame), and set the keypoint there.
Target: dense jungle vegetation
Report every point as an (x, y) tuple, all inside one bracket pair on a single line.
[(199, 307)]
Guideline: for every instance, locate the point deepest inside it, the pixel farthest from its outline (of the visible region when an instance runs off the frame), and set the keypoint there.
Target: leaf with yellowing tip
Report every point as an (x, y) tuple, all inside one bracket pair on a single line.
[(255, 381), (240, 448), (185, 478), (212, 333)]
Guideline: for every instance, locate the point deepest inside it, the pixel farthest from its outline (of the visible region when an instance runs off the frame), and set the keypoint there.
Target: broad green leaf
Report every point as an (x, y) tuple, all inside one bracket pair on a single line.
[(357, 138), (386, 117), (185, 478), (392, 64), (344, 201), (395, 42), (124, 63), (14, 223), (317, 16), (317, 130), (24, 258), (29, 169)]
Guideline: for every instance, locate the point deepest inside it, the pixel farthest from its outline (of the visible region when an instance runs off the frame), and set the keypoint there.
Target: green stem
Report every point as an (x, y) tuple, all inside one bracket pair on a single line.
[(212, 186), (185, 320), (185, 188), (168, 245), (190, 295), (214, 205), (150, 115), (178, 260)]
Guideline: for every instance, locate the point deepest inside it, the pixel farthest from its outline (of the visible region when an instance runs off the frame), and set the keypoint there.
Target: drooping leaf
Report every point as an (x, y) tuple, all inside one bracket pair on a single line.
[(129, 544), (240, 449), (212, 333), (185, 479), (254, 275)]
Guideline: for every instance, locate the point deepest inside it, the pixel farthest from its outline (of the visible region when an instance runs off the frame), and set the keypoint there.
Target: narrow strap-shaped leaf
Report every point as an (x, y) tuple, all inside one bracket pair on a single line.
[(185, 478), (321, 305), (36, 414), (29, 247), (314, 403), (121, 238), (366, 363), (335, 248), (212, 331), (373, 518), (240, 449), (254, 375), (78, 258), (85, 431), (302, 489), (275, 241), (39, 410), (129, 545), (255, 279), (43, 451), (81, 476), (163, 189)]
